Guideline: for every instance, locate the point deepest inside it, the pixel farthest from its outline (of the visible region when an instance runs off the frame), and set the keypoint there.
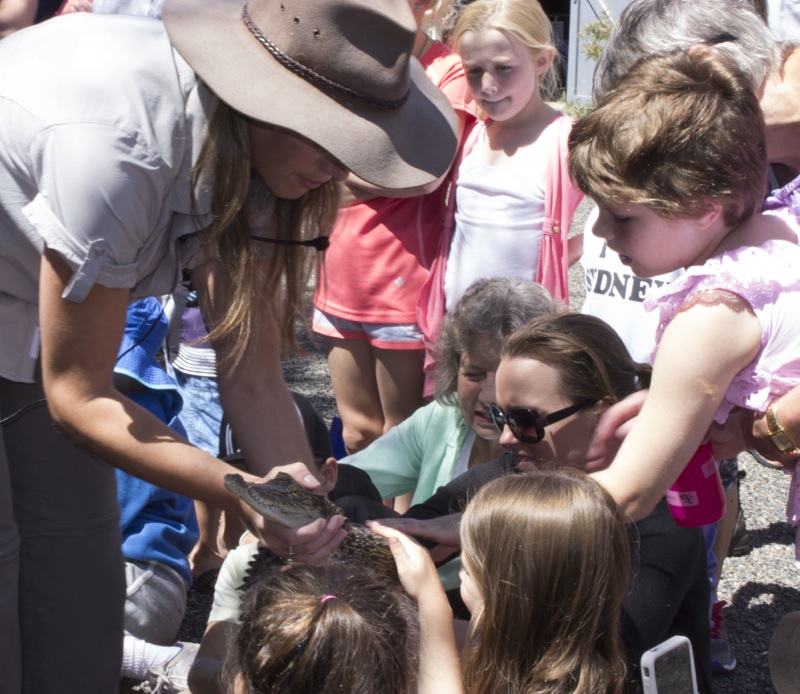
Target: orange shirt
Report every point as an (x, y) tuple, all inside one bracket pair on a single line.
[(381, 250)]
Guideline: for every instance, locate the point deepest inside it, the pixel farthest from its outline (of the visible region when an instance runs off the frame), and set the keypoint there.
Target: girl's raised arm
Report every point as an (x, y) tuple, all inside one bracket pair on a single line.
[(439, 666), (701, 351)]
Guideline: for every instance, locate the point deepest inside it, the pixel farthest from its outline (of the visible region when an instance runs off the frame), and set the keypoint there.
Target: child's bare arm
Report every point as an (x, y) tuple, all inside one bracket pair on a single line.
[(574, 249), (439, 667), (204, 676), (701, 351)]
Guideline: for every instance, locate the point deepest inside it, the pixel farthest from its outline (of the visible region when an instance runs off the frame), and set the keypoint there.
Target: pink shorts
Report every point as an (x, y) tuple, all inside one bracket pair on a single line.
[(380, 335)]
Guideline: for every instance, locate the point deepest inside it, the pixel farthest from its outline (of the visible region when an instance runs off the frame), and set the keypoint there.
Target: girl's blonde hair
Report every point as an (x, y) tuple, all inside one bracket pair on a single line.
[(549, 552), (523, 19), (257, 289)]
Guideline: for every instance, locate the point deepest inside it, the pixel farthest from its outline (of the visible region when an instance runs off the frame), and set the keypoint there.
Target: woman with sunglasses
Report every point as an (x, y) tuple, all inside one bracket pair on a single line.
[(455, 432), (556, 376)]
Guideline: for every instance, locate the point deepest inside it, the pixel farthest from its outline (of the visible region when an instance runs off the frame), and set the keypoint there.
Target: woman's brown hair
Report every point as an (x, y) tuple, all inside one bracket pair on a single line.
[(589, 356), (257, 288)]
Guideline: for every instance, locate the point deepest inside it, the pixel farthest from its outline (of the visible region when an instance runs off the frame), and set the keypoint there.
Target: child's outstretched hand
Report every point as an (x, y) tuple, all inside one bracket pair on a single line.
[(414, 564), (439, 668), (611, 430)]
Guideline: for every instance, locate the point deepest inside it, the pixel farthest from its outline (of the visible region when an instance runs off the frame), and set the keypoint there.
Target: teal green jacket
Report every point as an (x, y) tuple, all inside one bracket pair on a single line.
[(419, 454)]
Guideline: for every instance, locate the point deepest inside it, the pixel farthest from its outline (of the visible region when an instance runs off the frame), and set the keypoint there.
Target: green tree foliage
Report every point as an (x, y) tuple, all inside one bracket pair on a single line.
[(595, 35)]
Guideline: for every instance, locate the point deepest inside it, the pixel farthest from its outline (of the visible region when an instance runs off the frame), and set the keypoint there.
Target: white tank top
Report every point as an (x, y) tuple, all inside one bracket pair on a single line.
[(499, 218)]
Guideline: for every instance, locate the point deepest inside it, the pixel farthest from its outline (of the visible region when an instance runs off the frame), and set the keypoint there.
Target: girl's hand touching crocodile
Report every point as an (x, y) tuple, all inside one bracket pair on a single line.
[(414, 564), (443, 530)]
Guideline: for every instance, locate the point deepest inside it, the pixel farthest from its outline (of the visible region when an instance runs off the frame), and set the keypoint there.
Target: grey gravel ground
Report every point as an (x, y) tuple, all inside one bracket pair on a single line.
[(762, 586), (759, 587)]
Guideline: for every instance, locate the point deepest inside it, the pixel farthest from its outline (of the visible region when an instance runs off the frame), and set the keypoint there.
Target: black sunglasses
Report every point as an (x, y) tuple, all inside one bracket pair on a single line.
[(528, 425)]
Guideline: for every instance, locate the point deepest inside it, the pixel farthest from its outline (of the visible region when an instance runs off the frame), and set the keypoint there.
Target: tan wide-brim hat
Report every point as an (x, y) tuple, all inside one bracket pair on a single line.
[(337, 72), (784, 655)]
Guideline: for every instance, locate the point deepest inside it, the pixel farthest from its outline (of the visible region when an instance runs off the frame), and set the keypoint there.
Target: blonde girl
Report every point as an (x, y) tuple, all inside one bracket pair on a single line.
[(513, 200), (545, 569)]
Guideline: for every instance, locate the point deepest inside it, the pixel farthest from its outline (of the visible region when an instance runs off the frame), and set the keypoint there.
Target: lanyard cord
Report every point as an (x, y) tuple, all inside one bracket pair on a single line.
[(22, 411)]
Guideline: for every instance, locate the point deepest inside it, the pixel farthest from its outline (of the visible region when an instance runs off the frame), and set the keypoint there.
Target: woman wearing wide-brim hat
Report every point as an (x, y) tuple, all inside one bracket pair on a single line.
[(130, 151)]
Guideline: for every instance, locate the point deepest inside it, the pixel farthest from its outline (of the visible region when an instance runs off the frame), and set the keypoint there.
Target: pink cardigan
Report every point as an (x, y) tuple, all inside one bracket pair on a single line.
[(561, 200)]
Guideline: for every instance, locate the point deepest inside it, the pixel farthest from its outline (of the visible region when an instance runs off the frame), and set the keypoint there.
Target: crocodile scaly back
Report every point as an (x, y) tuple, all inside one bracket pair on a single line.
[(284, 501)]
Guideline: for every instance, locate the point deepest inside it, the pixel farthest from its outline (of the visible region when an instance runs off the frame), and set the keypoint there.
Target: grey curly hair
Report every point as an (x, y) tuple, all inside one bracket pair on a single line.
[(646, 27), (491, 308)]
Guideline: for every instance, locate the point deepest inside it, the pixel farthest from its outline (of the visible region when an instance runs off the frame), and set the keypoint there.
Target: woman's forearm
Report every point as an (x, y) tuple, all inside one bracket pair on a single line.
[(252, 389), (264, 418), (132, 439), (80, 343)]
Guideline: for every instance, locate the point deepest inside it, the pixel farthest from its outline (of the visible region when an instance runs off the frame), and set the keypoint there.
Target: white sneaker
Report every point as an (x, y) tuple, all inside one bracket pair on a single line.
[(172, 676)]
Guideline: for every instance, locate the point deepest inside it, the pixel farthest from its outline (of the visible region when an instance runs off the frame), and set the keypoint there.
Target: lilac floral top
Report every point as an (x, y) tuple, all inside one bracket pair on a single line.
[(767, 277), (786, 197)]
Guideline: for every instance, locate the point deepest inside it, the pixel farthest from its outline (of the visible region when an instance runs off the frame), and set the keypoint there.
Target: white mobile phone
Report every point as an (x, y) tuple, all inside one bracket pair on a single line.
[(668, 668)]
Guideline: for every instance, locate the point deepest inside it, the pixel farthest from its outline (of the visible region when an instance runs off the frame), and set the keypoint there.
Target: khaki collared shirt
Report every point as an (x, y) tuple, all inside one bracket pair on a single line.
[(102, 122)]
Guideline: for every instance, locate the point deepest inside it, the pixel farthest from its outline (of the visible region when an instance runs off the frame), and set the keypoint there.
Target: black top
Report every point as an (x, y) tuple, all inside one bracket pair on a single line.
[(669, 592)]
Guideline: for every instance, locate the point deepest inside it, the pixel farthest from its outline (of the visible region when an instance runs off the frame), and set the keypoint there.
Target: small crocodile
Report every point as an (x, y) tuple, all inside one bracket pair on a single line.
[(284, 501)]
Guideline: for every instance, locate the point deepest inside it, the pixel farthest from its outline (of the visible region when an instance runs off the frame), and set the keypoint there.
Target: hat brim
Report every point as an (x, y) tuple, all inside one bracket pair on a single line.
[(404, 147), (139, 365)]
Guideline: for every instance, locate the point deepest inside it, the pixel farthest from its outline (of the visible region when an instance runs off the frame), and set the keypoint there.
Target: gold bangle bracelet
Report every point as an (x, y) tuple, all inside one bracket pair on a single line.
[(780, 437)]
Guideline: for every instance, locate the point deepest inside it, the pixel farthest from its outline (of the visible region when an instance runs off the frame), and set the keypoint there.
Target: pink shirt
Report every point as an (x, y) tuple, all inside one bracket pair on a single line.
[(767, 277)]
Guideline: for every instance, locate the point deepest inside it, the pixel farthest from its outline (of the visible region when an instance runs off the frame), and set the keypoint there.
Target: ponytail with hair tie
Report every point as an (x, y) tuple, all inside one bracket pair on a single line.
[(644, 373)]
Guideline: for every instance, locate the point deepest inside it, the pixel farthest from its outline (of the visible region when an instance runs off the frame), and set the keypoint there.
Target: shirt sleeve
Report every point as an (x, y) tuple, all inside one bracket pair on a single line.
[(227, 596), (100, 198), (393, 461)]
